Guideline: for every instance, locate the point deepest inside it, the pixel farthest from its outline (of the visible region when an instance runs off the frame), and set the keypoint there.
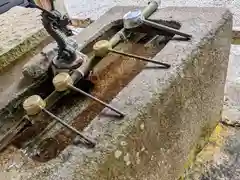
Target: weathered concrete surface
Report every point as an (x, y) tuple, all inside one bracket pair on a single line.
[(20, 31), (220, 157), (39, 64), (169, 112)]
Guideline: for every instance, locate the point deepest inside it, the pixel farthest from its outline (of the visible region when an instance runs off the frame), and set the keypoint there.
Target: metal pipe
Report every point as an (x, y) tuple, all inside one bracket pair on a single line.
[(147, 11), (83, 70), (150, 9), (166, 28), (97, 100), (140, 58)]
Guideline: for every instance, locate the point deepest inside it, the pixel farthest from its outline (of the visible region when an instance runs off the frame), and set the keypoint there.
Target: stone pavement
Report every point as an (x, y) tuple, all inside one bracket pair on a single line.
[(95, 8)]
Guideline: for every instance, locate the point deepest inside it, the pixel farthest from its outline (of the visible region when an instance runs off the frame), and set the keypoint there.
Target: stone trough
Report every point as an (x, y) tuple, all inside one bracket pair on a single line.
[(170, 113)]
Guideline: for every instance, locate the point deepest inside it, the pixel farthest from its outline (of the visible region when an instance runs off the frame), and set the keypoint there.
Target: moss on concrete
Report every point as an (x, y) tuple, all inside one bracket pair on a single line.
[(206, 156), (20, 31), (7, 58), (204, 139)]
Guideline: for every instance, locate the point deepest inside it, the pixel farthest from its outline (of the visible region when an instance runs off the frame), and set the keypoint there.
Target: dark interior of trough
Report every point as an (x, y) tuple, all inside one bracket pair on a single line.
[(116, 72)]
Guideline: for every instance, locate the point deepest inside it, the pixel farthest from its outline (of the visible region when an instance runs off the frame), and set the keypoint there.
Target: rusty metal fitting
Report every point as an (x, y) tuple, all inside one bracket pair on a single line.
[(101, 48), (62, 81), (34, 105)]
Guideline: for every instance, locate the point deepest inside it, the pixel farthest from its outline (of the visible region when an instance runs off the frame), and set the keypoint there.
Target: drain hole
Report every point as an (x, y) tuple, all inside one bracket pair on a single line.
[(47, 150)]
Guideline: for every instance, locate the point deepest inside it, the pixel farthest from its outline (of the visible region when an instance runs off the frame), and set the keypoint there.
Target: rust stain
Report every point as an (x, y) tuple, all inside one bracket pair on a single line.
[(110, 81)]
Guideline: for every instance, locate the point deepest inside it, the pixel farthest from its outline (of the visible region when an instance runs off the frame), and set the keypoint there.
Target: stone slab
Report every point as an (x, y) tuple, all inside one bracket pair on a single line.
[(20, 31), (169, 112)]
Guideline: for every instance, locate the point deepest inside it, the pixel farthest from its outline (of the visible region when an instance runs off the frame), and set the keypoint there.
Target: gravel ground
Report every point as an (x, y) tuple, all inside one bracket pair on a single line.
[(95, 8)]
